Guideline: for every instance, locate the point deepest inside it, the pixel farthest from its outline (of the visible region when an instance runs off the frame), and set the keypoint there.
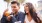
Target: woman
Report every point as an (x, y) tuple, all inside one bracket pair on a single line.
[(30, 14)]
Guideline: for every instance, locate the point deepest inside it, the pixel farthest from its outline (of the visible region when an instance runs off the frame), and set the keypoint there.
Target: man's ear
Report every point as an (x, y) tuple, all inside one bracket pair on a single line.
[(19, 7)]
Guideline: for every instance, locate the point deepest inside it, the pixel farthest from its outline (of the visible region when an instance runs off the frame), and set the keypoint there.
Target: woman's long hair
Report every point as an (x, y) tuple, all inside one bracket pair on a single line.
[(33, 13)]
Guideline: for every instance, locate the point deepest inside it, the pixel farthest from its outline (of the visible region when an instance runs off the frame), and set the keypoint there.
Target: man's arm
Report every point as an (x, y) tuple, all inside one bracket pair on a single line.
[(6, 16), (21, 17), (3, 20)]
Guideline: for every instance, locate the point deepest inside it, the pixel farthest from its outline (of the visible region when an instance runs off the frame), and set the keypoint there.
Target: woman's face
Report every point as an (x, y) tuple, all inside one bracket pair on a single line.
[(26, 9)]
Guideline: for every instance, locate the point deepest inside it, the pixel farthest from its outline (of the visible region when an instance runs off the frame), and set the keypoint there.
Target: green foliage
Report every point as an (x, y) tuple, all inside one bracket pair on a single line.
[(7, 0)]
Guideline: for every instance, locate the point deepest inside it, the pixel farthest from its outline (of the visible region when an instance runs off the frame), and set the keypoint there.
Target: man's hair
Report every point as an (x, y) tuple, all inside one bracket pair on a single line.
[(15, 2)]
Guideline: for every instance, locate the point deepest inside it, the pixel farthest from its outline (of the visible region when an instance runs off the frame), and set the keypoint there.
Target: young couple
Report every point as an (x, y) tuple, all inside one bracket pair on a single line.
[(30, 15)]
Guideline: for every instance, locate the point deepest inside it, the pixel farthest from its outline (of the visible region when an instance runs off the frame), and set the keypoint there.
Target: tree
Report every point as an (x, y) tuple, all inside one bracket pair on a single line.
[(8, 1), (20, 1)]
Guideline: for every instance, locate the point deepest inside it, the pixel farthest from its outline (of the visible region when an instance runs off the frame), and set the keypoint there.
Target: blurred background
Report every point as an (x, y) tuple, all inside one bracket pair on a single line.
[(4, 4)]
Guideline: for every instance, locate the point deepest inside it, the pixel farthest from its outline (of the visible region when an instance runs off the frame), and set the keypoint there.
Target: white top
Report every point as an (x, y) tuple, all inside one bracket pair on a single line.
[(18, 22), (26, 20)]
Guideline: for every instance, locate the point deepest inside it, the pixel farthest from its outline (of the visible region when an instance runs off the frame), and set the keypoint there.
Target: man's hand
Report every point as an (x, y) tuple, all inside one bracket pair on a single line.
[(7, 14), (9, 18)]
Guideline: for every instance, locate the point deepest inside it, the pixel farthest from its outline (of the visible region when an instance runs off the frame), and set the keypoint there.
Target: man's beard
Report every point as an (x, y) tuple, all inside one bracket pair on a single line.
[(15, 12)]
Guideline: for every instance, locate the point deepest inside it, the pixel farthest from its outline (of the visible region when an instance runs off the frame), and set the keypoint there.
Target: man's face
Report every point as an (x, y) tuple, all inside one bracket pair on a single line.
[(14, 7)]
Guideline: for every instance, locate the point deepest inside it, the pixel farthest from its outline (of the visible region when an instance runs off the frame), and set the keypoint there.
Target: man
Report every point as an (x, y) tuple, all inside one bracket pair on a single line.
[(17, 16)]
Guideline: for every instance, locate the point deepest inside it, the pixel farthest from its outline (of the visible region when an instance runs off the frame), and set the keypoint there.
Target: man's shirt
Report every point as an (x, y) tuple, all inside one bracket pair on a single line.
[(19, 17)]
